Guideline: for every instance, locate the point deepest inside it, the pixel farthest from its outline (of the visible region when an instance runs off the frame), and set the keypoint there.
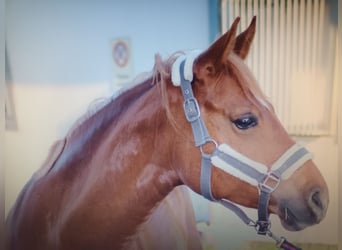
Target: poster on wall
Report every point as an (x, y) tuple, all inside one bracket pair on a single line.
[(122, 65)]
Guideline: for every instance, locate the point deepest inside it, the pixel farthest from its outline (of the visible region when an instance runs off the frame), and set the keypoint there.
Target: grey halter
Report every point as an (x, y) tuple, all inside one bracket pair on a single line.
[(226, 158)]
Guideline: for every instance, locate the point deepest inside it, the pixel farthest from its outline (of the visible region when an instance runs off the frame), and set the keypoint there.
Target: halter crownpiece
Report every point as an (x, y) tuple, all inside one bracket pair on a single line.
[(232, 162)]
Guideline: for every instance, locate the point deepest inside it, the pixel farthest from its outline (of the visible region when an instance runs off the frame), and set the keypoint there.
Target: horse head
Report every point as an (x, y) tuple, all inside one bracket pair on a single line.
[(237, 115)]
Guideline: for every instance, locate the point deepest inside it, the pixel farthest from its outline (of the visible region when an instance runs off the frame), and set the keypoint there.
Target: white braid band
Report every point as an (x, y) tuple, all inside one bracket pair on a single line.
[(189, 58)]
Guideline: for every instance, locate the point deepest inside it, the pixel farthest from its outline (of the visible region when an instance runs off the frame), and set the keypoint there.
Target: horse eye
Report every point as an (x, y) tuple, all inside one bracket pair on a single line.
[(246, 122)]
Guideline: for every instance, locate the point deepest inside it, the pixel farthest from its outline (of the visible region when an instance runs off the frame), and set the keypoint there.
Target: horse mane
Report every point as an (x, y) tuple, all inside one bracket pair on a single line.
[(162, 74), (121, 101), (102, 102)]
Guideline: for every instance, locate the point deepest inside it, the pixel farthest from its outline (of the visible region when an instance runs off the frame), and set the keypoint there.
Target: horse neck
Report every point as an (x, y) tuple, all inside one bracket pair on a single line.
[(128, 161), (138, 149)]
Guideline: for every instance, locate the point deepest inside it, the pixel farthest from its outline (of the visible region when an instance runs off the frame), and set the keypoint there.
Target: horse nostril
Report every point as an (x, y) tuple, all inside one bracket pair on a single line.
[(318, 203), (316, 199)]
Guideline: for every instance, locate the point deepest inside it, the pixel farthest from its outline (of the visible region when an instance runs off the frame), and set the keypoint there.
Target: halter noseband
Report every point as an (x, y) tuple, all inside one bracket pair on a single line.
[(231, 161)]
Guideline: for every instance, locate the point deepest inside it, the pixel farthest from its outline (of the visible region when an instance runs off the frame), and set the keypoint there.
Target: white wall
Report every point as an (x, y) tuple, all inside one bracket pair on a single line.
[(59, 61)]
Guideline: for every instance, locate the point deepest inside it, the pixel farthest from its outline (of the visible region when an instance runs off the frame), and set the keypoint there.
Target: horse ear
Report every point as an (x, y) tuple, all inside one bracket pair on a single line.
[(244, 40), (217, 54)]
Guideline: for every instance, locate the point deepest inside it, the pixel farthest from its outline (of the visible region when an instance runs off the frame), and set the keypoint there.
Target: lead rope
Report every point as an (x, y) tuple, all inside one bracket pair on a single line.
[(182, 76), (281, 242)]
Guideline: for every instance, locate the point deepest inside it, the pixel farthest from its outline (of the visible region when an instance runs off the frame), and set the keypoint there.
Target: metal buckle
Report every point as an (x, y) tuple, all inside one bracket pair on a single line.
[(270, 183), (262, 227), (192, 110)]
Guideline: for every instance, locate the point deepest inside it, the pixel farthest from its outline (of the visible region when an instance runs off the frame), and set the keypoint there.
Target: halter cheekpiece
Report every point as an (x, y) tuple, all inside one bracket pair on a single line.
[(232, 162)]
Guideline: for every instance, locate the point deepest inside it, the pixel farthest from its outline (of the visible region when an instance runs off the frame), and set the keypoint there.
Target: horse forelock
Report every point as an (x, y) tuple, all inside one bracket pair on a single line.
[(246, 81)]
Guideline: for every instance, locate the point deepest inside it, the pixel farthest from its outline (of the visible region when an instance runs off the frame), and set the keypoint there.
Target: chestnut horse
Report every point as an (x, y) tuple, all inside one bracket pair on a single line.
[(111, 177)]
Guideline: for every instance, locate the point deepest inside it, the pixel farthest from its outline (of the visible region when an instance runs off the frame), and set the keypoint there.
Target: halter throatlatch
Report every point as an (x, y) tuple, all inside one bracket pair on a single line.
[(232, 162)]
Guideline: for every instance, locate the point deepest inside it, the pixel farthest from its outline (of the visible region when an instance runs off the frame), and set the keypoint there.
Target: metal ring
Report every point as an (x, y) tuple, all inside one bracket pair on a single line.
[(204, 154)]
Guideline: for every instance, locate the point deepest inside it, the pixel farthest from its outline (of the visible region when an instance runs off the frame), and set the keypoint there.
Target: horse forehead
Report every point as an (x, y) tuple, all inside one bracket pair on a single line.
[(228, 93), (240, 89)]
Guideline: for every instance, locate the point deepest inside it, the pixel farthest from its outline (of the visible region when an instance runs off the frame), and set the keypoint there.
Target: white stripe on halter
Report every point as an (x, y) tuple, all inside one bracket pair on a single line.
[(262, 169)]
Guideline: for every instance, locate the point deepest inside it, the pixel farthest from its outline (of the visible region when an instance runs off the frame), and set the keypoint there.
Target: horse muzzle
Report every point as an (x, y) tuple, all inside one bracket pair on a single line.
[(297, 214)]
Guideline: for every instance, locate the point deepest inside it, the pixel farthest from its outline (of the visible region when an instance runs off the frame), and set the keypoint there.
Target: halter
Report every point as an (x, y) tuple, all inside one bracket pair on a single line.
[(232, 162)]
